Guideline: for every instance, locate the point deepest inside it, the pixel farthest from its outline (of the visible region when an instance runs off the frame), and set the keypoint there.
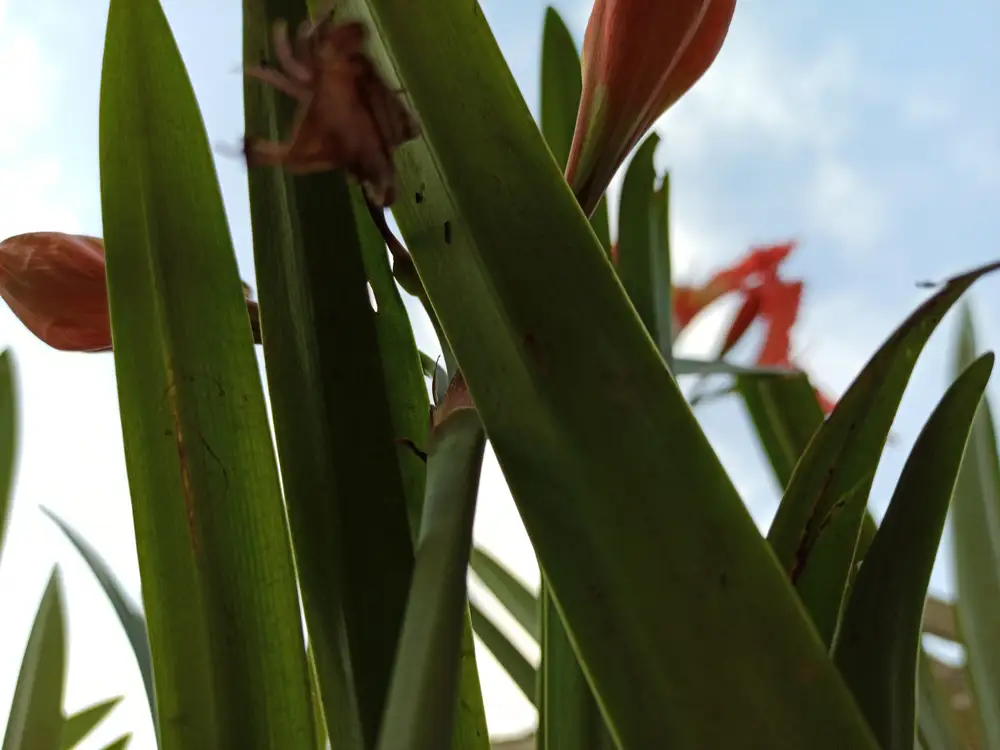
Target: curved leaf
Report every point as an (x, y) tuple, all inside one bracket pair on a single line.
[(644, 246), (129, 615), (816, 530), (880, 634), (560, 88), (622, 495)]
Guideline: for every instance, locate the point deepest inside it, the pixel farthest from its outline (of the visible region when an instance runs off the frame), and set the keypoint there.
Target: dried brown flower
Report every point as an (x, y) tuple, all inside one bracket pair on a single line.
[(348, 118)]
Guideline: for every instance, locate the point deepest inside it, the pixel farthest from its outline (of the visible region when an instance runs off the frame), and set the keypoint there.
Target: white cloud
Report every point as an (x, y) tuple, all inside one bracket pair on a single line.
[(846, 206)]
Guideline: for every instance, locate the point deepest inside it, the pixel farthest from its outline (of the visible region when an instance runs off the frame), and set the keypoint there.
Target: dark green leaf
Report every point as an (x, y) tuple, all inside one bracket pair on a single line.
[(560, 89), (573, 720), (333, 369), (815, 532), (644, 246), (561, 86), (623, 497), (880, 633)]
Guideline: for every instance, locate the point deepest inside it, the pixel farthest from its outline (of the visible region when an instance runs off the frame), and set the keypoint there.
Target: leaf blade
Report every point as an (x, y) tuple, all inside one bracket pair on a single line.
[(975, 516), (210, 523), (880, 634), (541, 375), (35, 721), (9, 426), (131, 617), (815, 532), (82, 723), (422, 703), (508, 589)]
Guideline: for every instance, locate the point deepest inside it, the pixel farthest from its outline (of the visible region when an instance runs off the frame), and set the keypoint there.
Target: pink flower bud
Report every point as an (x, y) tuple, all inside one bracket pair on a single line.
[(55, 283), (639, 58)]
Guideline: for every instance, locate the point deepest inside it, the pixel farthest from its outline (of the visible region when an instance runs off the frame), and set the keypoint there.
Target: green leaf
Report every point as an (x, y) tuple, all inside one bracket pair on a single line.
[(82, 723), (816, 530), (508, 589), (422, 701), (625, 501), (9, 426), (300, 231), (644, 246), (514, 663), (561, 85), (785, 413), (35, 721), (573, 720), (404, 388), (319, 717), (976, 528), (336, 426), (121, 743), (129, 615), (880, 633), (217, 573)]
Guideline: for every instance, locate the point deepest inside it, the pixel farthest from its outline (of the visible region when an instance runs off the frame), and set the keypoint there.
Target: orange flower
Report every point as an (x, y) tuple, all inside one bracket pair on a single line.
[(766, 296), (55, 284), (756, 271), (639, 58)]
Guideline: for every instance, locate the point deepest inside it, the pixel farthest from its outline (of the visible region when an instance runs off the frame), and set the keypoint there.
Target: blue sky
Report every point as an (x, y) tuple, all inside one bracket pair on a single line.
[(869, 132)]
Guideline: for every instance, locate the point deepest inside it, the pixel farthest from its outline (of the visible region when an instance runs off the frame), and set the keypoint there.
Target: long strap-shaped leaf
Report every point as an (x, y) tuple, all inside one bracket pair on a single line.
[(785, 413), (572, 719), (815, 532), (422, 702), (214, 555), (625, 501), (8, 436), (976, 545), (880, 635), (644, 246), (35, 721)]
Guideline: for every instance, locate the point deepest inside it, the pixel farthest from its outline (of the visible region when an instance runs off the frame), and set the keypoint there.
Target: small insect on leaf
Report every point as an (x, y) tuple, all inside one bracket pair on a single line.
[(348, 117)]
